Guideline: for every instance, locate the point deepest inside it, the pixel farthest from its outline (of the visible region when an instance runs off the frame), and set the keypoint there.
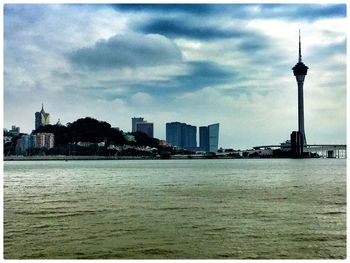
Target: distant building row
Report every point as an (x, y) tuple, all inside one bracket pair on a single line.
[(184, 136), (39, 140)]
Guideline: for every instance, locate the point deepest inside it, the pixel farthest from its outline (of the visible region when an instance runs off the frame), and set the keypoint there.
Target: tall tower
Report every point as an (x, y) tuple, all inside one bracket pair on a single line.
[(42, 118), (300, 71)]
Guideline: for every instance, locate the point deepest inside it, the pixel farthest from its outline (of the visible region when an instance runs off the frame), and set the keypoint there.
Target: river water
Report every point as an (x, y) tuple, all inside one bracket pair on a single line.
[(175, 209)]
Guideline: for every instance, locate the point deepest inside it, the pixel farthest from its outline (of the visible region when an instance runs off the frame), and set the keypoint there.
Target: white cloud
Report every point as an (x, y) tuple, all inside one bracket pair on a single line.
[(141, 99)]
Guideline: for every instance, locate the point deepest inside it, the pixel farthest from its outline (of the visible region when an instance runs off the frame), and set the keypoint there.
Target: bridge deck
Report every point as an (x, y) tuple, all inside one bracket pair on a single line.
[(309, 146)]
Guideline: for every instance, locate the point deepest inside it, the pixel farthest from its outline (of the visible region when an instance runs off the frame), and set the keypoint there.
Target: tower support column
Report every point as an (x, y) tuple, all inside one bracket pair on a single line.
[(301, 110)]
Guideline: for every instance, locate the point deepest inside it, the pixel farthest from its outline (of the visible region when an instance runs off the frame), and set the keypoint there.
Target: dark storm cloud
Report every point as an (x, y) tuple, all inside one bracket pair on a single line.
[(187, 28), (302, 11), (196, 9), (203, 74), (243, 11), (131, 50), (253, 42), (252, 45), (199, 75)]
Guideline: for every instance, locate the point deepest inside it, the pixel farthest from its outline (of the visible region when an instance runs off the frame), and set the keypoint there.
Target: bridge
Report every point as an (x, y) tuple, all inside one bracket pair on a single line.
[(324, 150), (327, 150)]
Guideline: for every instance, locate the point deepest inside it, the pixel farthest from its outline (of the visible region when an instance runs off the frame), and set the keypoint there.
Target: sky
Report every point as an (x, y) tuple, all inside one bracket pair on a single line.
[(194, 63)]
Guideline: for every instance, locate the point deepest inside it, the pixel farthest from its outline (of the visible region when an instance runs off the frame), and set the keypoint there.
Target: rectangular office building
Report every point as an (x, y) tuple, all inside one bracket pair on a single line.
[(145, 127), (134, 121), (181, 135), (213, 130), (204, 138), (209, 138)]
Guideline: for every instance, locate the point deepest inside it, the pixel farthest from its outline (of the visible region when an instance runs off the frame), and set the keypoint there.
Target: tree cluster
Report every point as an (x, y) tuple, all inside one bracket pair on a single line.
[(84, 130), (94, 131)]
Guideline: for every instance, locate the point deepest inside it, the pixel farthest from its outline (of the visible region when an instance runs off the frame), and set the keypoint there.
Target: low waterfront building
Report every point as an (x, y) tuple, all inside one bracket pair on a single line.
[(84, 144), (163, 143), (101, 144), (286, 146), (129, 137)]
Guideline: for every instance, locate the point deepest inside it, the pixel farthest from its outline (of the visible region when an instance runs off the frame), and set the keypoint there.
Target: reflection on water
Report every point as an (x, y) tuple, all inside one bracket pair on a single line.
[(175, 209)]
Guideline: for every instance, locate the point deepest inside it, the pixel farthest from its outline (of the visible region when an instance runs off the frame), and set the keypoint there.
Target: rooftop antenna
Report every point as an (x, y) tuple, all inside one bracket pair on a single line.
[(299, 47)]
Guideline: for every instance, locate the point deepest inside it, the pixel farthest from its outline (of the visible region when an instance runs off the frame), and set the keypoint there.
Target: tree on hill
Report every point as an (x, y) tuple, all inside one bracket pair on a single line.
[(84, 130), (60, 131), (142, 139)]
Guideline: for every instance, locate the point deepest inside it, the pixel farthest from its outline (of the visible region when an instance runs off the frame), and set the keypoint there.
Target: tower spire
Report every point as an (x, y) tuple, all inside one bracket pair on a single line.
[(42, 108), (299, 47)]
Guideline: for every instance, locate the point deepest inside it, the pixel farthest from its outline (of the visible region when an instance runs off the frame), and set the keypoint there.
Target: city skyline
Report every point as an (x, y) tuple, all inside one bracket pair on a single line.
[(229, 64)]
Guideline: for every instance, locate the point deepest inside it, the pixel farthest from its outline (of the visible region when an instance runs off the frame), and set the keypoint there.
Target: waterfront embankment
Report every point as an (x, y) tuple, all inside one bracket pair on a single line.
[(95, 157)]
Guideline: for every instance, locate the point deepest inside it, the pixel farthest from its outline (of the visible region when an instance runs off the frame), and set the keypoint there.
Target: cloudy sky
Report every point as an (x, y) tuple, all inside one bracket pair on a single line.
[(199, 64)]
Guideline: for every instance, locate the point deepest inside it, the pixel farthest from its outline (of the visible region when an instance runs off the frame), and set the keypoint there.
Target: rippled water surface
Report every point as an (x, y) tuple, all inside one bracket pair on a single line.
[(178, 209)]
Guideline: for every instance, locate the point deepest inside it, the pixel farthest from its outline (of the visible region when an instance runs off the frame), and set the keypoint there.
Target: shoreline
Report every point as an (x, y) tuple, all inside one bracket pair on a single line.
[(90, 158), (104, 158)]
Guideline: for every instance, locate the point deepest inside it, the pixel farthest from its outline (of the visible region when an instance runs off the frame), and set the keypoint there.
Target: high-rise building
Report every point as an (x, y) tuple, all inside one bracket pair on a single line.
[(174, 133), (300, 71), (134, 121), (145, 127), (209, 138), (41, 118), (213, 131), (141, 125), (204, 138), (181, 135)]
